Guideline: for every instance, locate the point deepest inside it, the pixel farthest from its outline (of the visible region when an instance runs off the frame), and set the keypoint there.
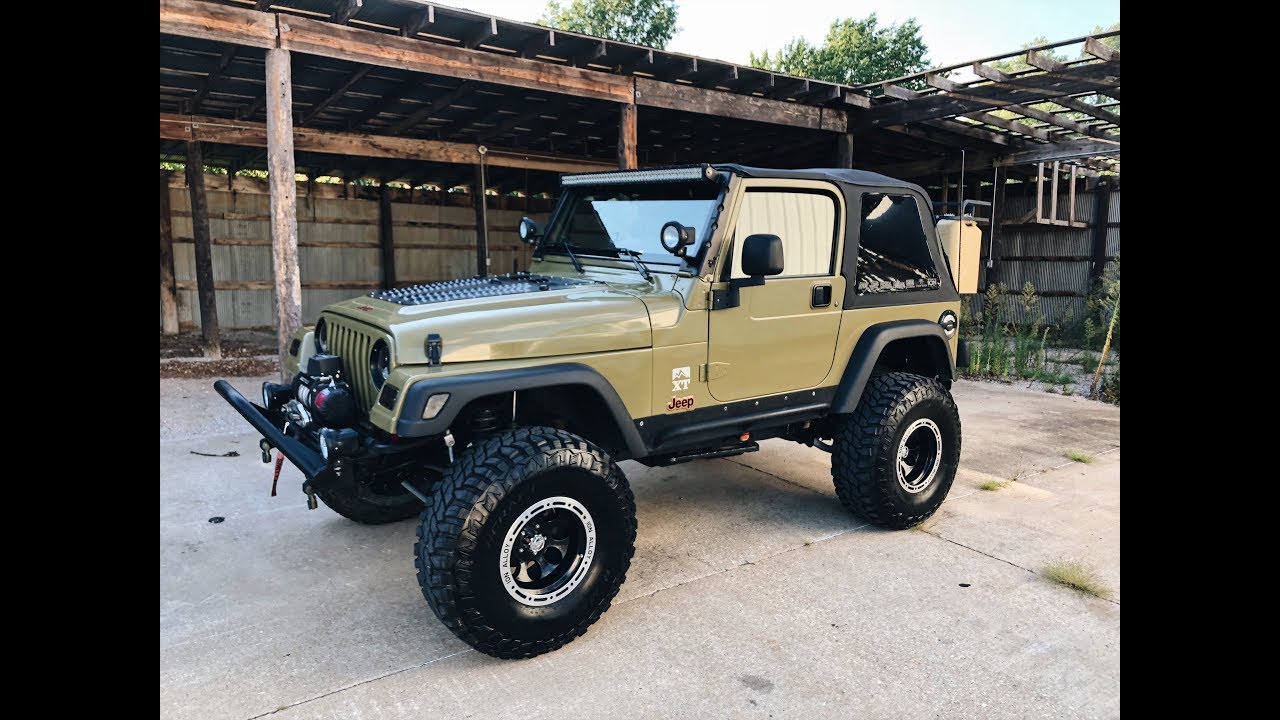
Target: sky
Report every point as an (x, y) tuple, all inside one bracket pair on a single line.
[(954, 31)]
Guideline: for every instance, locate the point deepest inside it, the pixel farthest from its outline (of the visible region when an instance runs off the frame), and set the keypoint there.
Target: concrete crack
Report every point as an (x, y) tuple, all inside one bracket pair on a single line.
[(358, 684)]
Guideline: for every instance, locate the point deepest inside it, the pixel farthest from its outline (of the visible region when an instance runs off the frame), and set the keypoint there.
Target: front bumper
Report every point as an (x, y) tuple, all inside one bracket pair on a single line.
[(270, 424)]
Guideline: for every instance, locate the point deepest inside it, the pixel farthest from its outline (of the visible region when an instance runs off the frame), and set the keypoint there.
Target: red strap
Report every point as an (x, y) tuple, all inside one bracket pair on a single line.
[(276, 478)]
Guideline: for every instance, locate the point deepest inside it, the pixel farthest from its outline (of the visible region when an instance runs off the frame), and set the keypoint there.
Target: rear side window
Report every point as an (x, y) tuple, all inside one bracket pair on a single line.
[(893, 252), (805, 221)]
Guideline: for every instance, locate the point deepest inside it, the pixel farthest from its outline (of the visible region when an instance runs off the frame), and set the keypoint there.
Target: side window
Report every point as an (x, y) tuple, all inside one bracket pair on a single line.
[(893, 254), (806, 222)]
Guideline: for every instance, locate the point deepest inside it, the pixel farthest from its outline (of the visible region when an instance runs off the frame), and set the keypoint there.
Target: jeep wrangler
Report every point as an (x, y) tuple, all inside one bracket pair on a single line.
[(668, 315)]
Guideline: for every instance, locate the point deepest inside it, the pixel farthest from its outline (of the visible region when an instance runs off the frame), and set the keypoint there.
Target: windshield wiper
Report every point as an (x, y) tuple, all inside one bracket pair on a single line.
[(644, 271), (569, 249)]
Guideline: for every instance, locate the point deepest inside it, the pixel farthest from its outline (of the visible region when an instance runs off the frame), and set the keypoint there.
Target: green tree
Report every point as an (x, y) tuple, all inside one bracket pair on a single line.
[(854, 52), (644, 22)]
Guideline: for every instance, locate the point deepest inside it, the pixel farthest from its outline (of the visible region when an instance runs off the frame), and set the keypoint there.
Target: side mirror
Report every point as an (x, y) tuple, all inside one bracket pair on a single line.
[(528, 230), (676, 237), (762, 255)]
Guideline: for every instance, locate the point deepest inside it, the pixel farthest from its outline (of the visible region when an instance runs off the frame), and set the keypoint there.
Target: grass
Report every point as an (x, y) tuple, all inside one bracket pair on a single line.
[(993, 485), (1054, 377), (1079, 456), (1077, 576)]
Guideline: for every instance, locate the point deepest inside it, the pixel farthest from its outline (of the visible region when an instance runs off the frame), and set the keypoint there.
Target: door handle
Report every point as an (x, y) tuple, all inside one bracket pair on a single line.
[(821, 296)]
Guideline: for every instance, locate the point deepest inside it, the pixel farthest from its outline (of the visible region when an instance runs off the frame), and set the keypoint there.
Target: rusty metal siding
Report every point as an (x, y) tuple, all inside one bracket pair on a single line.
[(1055, 259), (338, 243)]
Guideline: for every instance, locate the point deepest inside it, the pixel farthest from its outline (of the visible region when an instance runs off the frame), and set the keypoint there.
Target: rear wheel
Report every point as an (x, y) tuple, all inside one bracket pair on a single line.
[(895, 457), (526, 541)]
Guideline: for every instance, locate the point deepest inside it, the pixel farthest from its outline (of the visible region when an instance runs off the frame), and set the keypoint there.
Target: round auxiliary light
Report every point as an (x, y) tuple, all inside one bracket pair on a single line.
[(671, 236)]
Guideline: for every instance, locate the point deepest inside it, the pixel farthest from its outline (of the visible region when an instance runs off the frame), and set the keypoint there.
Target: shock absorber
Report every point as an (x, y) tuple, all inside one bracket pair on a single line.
[(484, 422)]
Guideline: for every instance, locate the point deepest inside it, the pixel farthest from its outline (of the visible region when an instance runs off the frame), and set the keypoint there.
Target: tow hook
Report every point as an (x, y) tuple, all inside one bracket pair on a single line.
[(448, 442), (311, 496), (266, 450)]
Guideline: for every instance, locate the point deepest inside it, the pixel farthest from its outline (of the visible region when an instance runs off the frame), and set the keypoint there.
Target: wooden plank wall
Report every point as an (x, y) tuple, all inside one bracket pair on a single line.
[(338, 254)]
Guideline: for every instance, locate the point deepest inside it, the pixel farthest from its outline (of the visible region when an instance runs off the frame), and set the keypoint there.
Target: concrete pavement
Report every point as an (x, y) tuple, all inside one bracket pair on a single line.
[(753, 593)]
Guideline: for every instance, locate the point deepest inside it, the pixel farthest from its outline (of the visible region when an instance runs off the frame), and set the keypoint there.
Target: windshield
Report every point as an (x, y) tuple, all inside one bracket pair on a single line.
[(599, 221)]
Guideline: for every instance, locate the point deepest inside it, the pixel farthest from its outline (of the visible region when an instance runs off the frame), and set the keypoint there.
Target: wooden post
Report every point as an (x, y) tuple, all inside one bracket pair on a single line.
[(1039, 192), (1101, 218), (1053, 189), (482, 225), (204, 252), (1071, 199), (168, 285), (284, 200), (844, 150), (627, 137), (386, 238)]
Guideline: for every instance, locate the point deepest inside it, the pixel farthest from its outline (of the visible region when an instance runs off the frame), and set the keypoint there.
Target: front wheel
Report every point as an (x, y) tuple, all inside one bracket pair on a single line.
[(372, 503), (526, 541), (895, 457)]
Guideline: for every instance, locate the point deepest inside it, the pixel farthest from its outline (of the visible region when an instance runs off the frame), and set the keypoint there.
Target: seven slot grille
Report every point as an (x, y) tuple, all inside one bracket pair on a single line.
[(352, 344)]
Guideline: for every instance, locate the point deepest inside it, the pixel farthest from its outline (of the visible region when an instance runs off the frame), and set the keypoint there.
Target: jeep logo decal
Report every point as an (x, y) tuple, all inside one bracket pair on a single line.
[(684, 403)]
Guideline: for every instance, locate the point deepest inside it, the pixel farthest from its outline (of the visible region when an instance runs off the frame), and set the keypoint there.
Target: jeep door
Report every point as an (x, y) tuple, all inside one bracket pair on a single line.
[(781, 336)]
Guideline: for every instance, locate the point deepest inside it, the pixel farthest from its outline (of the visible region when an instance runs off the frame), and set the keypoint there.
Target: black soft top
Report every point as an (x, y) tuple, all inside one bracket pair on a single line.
[(844, 176)]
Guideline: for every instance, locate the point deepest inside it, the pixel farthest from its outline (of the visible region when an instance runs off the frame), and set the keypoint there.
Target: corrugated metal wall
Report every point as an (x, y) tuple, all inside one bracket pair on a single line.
[(1057, 260), (338, 252)]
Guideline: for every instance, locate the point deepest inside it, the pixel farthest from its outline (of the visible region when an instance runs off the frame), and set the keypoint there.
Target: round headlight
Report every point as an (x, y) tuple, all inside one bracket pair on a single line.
[(322, 337), (380, 363)]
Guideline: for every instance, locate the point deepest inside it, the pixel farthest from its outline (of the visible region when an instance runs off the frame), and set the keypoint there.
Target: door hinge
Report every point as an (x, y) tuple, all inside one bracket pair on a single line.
[(712, 371)]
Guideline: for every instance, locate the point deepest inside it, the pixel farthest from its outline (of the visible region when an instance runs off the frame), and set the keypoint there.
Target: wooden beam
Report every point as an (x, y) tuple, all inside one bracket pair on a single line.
[(1044, 62), (1100, 50), (364, 46), (1029, 89), (654, 93), (539, 44), (1088, 109), (1003, 80), (336, 95), (346, 10), (383, 104), (1059, 151), (537, 109), (487, 32), (983, 117), (284, 200), (386, 238), (627, 137), (415, 25), (168, 286), (345, 43), (949, 163), (417, 116), (203, 252), (223, 23), (844, 150), (228, 54), (239, 132)]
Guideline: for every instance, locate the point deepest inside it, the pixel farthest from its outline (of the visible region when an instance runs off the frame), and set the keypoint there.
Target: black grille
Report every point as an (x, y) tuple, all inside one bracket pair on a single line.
[(477, 287)]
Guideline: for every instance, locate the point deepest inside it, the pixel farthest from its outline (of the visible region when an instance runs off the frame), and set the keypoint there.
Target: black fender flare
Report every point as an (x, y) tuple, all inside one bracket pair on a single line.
[(873, 341), (463, 389)]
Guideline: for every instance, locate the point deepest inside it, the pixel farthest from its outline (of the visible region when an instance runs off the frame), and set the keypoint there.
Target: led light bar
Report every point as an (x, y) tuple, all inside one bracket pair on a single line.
[(682, 173)]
